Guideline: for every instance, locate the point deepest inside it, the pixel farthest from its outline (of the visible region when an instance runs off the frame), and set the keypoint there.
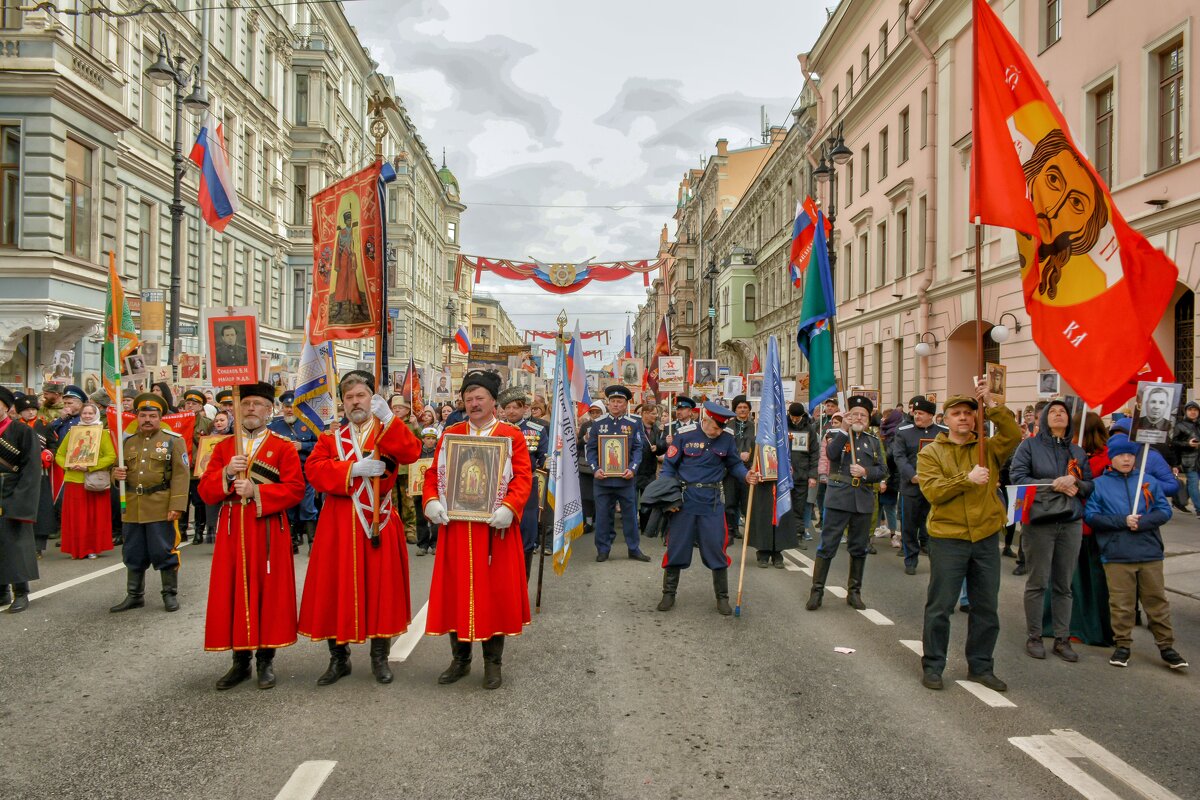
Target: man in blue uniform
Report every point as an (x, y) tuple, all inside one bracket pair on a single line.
[(914, 511), (613, 485), (290, 427), (856, 465), (513, 403), (685, 407), (700, 459)]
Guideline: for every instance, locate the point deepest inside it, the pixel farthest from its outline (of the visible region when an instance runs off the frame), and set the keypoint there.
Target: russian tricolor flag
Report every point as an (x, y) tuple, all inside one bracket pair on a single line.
[(1020, 498), (218, 198), (628, 340), (464, 341), (803, 233), (577, 372)]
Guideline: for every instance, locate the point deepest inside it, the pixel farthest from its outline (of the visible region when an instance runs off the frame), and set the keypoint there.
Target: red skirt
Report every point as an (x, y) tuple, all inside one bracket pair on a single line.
[(353, 591), (471, 597), (86, 521), (252, 586)]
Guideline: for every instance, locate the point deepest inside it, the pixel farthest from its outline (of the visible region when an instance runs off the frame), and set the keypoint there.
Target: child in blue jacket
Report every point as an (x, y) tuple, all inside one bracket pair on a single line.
[(1131, 550)]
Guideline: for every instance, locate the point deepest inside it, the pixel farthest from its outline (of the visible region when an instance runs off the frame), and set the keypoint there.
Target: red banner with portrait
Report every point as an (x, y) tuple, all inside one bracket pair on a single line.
[(348, 255)]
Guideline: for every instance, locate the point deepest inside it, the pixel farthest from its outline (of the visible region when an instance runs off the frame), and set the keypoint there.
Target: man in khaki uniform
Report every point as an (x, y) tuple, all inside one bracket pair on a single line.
[(52, 404), (156, 496)]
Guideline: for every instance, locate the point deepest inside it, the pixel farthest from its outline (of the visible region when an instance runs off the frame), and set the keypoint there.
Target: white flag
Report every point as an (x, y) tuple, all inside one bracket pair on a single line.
[(562, 491)]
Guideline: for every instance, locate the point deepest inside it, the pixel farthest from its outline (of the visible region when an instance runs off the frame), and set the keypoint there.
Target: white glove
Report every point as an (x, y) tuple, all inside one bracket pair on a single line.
[(435, 512), (381, 409), (501, 518), (368, 468)]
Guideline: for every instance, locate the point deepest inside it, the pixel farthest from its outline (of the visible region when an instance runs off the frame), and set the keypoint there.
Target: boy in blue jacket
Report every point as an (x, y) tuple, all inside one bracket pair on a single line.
[(1131, 550)]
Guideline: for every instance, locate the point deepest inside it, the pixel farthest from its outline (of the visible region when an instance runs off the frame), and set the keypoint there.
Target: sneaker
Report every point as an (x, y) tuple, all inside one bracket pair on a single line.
[(931, 680), (1020, 570), (1173, 659), (422, 551), (1034, 647), (1062, 649), (90, 556), (882, 532), (989, 680), (1120, 657), (895, 541)]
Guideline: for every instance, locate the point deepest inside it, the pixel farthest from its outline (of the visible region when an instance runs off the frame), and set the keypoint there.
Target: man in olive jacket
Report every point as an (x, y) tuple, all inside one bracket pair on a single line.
[(965, 520)]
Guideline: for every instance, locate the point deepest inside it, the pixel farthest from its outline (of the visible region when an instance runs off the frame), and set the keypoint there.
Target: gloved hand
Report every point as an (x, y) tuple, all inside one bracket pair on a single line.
[(367, 468), (501, 518), (435, 512), (381, 409)]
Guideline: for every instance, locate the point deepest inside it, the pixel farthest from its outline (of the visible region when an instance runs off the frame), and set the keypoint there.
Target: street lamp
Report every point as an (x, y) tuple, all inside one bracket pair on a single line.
[(450, 308), (710, 275), (165, 70), (834, 154)]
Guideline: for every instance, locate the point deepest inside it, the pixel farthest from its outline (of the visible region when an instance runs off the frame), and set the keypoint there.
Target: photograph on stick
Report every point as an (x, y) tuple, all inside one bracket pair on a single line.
[(630, 370), (706, 373), (1156, 411), (233, 349), (474, 465), (1048, 384), (997, 375)]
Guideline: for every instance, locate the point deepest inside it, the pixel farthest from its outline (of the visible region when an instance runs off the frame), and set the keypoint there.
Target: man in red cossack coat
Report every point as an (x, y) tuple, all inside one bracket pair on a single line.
[(357, 585), (252, 586), (479, 590)]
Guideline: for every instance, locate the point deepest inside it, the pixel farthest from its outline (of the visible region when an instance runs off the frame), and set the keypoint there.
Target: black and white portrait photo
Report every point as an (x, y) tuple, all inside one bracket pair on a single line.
[(1157, 407), (1047, 383), (706, 372)]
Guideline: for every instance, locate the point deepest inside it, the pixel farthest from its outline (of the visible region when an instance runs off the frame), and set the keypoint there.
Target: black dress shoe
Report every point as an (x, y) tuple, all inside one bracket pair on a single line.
[(491, 675), (239, 672), (19, 604), (266, 674), (931, 680), (638, 555), (454, 672), (602, 556), (989, 680), (338, 669)]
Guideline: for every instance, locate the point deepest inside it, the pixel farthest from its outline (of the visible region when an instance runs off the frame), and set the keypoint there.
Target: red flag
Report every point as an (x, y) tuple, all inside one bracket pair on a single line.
[(755, 365), (410, 388), (691, 376), (662, 347), (1083, 267), (1155, 368)]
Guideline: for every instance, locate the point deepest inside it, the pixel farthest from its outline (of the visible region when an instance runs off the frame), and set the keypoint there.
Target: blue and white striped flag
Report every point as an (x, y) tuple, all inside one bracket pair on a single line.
[(315, 403), (562, 490)]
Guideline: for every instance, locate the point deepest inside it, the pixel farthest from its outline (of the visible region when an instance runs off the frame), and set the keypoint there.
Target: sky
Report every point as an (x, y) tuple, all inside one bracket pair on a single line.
[(570, 125)]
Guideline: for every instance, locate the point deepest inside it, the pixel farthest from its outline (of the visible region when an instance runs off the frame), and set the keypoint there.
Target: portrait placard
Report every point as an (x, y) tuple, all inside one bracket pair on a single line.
[(443, 385), (233, 356), (754, 388), (706, 375), (204, 452), (150, 350), (473, 468), (670, 374), (1048, 384), (1155, 413), (416, 476), (91, 382), (732, 386), (189, 369), (83, 446), (63, 368), (135, 366), (613, 450), (630, 372), (997, 375), (768, 462), (799, 439)]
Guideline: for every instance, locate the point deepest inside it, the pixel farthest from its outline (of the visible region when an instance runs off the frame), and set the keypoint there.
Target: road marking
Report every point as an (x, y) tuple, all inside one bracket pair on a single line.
[(799, 557), (836, 591), (58, 587), (875, 616), (1042, 750), (403, 647), (914, 645), (306, 781), (1055, 753), (989, 696)]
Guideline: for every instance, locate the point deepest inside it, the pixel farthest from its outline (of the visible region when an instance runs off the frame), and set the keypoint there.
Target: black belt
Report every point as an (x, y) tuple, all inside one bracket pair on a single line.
[(150, 489), (854, 482), (701, 485)]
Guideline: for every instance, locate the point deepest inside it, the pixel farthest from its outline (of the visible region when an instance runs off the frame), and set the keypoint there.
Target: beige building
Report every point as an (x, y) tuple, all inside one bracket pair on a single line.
[(491, 327)]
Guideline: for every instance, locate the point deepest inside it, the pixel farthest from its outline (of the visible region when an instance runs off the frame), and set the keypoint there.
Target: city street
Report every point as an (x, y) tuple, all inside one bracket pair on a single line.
[(603, 697)]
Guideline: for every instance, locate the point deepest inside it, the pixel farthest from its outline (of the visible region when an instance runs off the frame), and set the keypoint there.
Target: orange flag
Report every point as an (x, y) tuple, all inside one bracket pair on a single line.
[(1082, 267)]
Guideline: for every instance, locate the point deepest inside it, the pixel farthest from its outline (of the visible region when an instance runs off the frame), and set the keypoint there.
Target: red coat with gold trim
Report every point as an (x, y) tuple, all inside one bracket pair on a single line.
[(252, 586), (479, 587), (353, 590)]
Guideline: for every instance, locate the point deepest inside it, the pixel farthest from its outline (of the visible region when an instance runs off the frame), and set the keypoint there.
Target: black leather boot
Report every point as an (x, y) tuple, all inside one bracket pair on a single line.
[(380, 648), (460, 665), (135, 586), (170, 588), (764, 559), (198, 536), (264, 662), (20, 598), (820, 572), (310, 531), (854, 584), (493, 649), (721, 589), (239, 672), (670, 586), (339, 664)]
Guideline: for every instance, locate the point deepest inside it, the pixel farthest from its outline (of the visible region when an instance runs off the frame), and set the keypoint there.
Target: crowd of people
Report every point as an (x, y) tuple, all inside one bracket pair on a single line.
[(915, 477)]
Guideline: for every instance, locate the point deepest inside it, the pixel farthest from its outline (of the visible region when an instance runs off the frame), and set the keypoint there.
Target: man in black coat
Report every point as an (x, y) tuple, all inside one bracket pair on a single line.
[(20, 491), (804, 442), (737, 492), (906, 444)]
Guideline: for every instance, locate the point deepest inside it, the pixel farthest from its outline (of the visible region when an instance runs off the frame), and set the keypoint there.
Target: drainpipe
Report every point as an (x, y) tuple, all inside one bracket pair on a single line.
[(910, 25)]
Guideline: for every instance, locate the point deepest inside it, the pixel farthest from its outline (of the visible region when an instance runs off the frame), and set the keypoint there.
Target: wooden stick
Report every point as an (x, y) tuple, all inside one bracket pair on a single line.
[(1137, 490), (375, 451), (120, 416), (541, 538), (737, 608)]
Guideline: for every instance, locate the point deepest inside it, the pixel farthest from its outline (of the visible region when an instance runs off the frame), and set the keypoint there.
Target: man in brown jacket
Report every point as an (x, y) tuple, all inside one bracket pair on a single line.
[(966, 518)]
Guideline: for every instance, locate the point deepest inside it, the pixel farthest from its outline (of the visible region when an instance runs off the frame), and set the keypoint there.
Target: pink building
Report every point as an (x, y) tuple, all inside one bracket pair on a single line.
[(896, 79)]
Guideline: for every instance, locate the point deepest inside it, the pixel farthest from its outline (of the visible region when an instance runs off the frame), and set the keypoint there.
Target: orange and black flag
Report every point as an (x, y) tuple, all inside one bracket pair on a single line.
[(1082, 267)]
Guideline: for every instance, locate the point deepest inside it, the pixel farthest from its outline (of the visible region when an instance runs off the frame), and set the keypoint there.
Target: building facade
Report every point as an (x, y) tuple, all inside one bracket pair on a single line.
[(491, 327)]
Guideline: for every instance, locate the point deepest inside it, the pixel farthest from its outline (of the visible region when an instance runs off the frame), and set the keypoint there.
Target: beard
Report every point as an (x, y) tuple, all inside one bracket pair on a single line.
[(359, 415), (251, 422), (858, 427)]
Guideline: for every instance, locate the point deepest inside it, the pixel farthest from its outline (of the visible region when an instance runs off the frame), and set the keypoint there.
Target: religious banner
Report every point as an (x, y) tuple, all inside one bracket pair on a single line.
[(562, 278), (348, 256)]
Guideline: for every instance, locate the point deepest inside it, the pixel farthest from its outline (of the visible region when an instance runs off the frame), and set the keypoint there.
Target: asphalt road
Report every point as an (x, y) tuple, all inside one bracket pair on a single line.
[(603, 698)]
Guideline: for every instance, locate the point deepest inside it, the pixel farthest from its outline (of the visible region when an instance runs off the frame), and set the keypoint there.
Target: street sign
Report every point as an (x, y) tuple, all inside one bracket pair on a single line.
[(188, 328)]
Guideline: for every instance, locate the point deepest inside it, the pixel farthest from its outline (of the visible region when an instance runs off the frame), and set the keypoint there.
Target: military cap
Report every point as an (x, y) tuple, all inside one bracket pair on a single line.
[(224, 396), (54, 387), (76, 392), (617, 390), (430, 432), (860, 401), (261, 389), (357, 375), (960, 400), (148, 401), (924, 404), (513, 394), (196, 395), (25, 402), (489, 381), (683, 401), (287, 398), (719, 413)]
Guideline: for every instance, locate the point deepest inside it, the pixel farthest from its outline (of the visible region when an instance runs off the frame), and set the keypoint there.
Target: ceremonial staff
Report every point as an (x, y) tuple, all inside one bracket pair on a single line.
[(379, 129), (737, 606), (559, 344), (981, 455)]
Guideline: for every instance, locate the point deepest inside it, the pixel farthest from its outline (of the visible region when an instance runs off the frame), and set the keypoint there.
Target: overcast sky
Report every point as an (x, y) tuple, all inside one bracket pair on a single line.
[(563, 104)]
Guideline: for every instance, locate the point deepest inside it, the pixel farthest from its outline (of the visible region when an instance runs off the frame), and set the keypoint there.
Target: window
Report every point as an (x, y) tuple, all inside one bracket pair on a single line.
[(145, 245), (689, 313), (268, 73), (10, 17), (866, 168), (1093, 7), (877, 367), (299, 194), (864, 261), (847, 272), (78, 200), (1102, 132), (836, 94), (866, 64), (883, 154), (749, 302), (1052, 23), (230, 32), (299, 304), (691, 269), (881, 243), (902, 156), (901, 243), (922, 223), (924, 117), (849, 84), (251, 51), (849, 183), (302, 99), (10, 184), (149, 96), (265, 167), (883, 43), (452, 231), (246, 173), (898, 371), (1170, 105)]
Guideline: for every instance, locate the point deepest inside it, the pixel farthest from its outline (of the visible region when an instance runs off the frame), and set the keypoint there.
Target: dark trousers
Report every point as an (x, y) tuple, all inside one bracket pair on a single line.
[(856, 526), (426, 533), (195, 507), (150, 544), (493, 648), (913, 533), (607, 498), (707, 530), (1053, 552), (951, 561), (735, 504)]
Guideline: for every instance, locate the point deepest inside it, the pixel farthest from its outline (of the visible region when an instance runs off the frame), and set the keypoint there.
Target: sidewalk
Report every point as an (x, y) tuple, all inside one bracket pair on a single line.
[(1181, 538)]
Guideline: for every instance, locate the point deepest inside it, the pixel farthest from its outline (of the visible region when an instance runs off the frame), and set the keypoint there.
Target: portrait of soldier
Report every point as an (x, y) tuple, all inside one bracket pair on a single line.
[(231, 345), (348, 287), (1156, 410), (1070, 206)]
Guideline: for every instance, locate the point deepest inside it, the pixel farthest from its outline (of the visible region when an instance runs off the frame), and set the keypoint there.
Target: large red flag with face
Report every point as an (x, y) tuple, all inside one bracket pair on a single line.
[(1094, 288)]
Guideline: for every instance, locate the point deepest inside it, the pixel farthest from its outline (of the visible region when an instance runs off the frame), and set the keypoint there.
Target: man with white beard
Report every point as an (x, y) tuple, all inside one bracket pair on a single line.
[(855, 465)]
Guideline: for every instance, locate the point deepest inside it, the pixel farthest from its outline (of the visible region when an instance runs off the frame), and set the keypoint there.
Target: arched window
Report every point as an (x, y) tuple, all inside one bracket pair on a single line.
[(689, 313), (749, 297)]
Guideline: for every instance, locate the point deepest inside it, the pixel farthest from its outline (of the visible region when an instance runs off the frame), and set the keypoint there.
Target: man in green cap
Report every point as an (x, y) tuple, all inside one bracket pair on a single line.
[(157, 472), (193, 403)]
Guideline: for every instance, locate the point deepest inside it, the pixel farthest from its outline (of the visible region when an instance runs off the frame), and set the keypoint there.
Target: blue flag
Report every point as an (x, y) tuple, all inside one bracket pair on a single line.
[(772, 436)]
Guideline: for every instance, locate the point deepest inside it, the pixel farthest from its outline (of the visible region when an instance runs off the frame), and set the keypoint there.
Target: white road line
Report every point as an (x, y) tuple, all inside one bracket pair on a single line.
[(914, 645), (791, 566), (799, 557), (992, 698), (306, 781), (1114, 766), (876, 617), (403, 647), (836, 591), (1042, 750)]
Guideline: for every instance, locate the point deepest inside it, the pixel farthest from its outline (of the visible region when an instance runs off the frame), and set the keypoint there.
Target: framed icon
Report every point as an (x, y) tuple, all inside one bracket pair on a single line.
[(614, 453), (83, 446), (474, 465), (768, 462), (416, 476), (204, 452)]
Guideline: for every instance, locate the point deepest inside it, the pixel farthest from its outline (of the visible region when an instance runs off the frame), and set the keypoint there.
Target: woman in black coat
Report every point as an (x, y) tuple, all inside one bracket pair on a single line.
[(46, 524)]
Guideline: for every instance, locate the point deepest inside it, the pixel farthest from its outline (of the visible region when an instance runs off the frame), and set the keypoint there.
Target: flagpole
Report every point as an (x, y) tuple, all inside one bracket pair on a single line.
[(120, 414), (737, 607), (981, 454), (559, 343)]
